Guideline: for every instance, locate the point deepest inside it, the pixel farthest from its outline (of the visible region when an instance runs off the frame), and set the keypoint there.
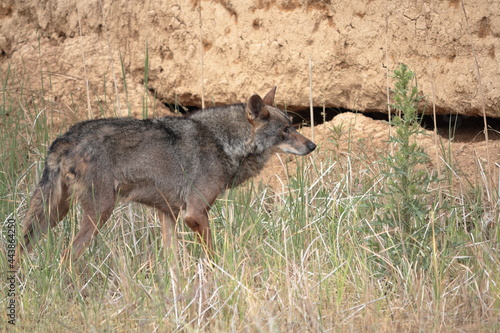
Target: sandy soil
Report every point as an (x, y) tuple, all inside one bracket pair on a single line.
[(360, 137)]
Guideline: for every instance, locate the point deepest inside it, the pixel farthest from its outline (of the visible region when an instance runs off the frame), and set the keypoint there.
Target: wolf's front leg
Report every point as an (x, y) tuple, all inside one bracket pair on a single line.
[(168, 232), (197, 220)]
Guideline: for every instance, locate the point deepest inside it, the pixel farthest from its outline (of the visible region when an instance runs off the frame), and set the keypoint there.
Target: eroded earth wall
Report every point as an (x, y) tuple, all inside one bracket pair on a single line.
[(86, 52)]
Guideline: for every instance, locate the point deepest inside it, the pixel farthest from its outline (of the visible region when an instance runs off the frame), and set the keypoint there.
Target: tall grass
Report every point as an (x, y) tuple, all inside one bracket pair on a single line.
[(293, 259)]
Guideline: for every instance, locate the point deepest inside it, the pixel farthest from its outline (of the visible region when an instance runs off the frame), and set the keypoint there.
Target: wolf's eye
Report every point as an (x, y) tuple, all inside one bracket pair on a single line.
[(286, 129)]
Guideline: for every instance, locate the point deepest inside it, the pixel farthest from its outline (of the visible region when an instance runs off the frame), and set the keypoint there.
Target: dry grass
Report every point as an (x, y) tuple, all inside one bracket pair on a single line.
[(298, 259)]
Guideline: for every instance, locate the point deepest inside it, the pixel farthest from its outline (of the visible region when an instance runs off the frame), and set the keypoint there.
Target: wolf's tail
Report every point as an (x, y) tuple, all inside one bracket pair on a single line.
[(49, 204)]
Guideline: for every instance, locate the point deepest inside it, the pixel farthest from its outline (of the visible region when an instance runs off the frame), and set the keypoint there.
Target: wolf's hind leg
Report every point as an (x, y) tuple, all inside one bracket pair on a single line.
[(97, 209), (88, 230)]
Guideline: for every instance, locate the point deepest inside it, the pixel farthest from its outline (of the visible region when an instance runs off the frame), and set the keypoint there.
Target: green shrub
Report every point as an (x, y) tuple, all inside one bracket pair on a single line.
[(404, 203)]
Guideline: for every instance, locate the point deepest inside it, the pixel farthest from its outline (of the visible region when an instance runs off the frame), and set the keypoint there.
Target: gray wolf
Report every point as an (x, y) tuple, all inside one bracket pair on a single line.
[(174, 164)]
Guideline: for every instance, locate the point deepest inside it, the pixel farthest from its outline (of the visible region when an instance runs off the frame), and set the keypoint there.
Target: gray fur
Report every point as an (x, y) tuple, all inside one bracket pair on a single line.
[(173, 164)]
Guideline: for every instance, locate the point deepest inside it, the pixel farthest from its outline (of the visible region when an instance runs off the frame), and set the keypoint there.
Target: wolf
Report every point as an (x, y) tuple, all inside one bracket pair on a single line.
[(175, 164)]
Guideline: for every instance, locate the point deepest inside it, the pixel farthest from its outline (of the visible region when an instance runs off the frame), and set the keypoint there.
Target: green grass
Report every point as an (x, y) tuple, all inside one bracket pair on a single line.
[(294, 260)]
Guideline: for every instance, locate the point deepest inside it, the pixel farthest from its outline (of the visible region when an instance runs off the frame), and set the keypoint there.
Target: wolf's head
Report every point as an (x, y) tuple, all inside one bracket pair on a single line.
[(273, 128)]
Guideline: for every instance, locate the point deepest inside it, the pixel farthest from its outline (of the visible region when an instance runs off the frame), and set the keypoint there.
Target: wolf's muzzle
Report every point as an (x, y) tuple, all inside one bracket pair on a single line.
[(310, 145)]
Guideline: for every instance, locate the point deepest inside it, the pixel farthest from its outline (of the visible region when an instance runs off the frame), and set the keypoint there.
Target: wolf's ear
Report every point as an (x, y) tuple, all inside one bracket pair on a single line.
[(269, 98), (256, 108)]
